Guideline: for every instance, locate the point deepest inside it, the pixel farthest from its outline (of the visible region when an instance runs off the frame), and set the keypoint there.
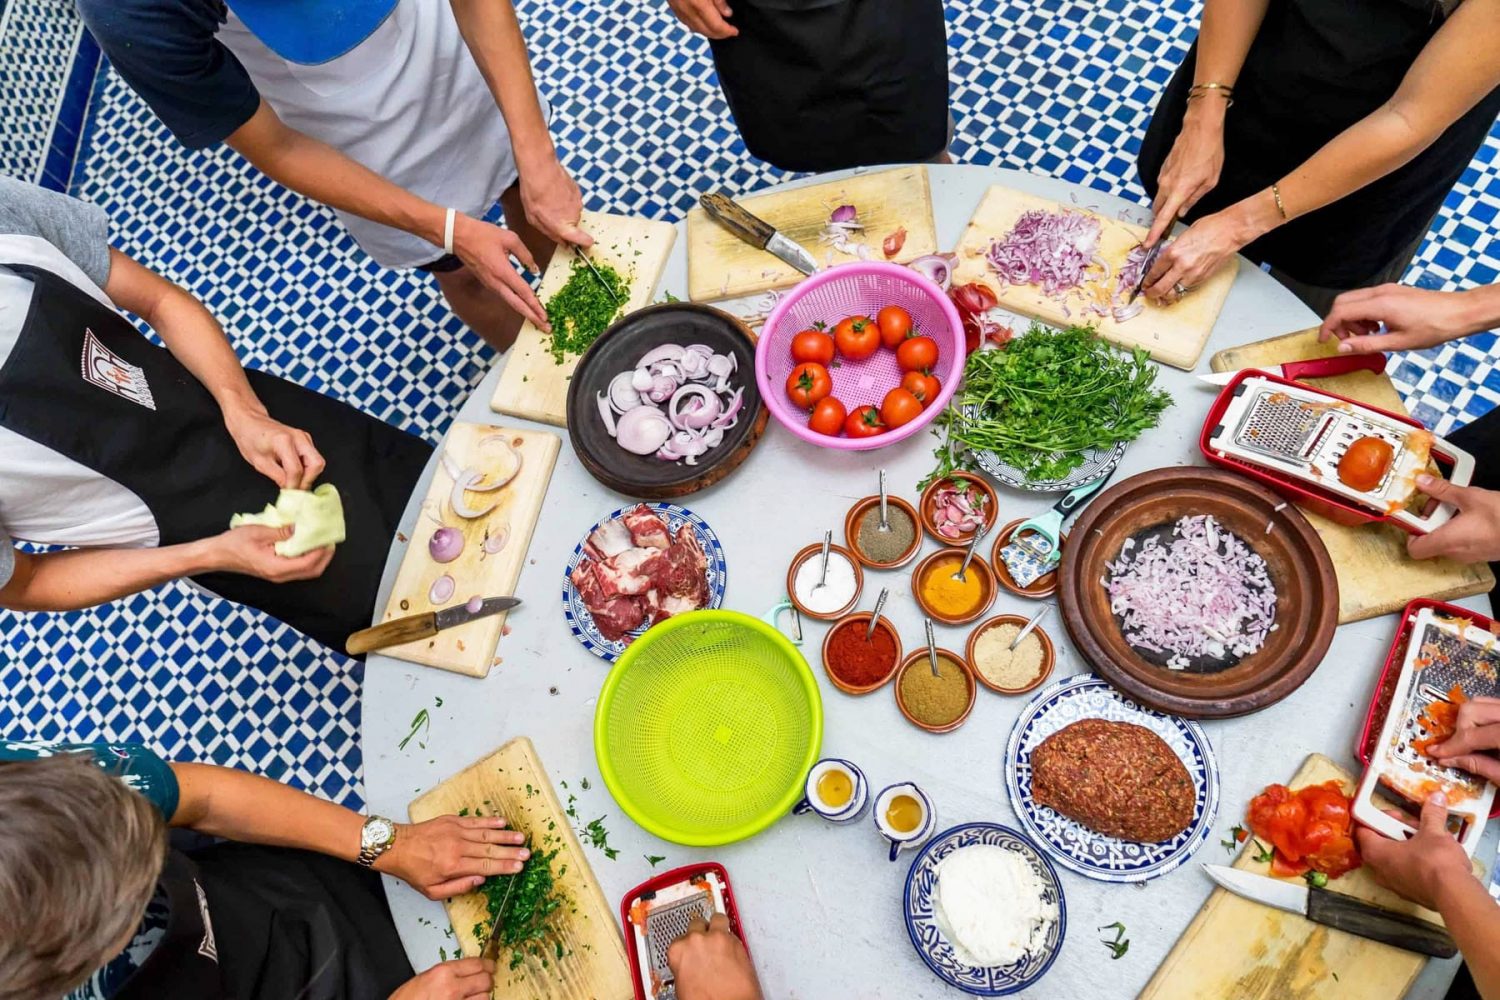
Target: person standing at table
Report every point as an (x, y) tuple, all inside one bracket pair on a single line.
[(1318, 136), (818, 85), (136, 457), (408, 118)]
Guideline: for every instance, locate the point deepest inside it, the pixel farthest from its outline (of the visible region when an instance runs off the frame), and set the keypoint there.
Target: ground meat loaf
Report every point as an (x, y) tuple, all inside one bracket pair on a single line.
[(1119, 779)]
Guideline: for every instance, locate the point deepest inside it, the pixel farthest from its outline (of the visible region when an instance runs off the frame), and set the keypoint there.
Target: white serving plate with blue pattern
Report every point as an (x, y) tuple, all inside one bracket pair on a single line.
[(1075, 846), (937, 952), (581, 622)]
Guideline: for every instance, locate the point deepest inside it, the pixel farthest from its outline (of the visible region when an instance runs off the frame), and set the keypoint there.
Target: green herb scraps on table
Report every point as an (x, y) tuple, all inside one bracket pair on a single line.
[(583, 308)]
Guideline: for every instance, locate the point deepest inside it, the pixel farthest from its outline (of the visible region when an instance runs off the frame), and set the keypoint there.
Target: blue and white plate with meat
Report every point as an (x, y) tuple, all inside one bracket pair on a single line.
[(1086, 699), (639, 566)]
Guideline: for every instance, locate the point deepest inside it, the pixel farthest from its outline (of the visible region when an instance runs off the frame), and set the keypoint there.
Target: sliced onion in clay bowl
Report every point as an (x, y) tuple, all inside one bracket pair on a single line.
[(1145, 508), (705, 424)]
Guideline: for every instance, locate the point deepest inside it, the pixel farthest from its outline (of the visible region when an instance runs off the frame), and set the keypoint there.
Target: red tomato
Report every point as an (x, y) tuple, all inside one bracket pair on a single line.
[(1282, 868), (1279, 816), (899, 407), (925, 387), (807, 384), (828, 417), (864, 422), (857, 337), (895, 324), (1365, 463), (917, 354), (1310, 829), (813, 345)]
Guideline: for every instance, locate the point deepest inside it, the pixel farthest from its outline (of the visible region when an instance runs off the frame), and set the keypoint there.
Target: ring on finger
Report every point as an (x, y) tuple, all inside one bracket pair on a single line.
[(1181, 289)]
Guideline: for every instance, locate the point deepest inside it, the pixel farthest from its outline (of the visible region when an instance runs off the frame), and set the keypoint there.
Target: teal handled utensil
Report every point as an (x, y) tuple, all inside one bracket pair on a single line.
[(1035, 546)]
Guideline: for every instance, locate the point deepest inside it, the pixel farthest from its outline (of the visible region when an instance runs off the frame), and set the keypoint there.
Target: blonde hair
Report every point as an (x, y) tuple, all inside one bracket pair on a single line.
[(80, 854)]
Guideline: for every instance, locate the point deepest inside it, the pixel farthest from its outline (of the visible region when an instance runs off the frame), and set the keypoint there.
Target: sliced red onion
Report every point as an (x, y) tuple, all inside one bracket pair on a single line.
[(480, 487), (935, 268), (445, 545), (494, 543), (641, 379), (708, 408), (666, 352), (695, 365), (662, 387), (441, 591), (474, 604), (643, 430), (1052, 249), (844, 213), (606, 413), (456, 499), (721, 365), (622, 393), (893, 243), (731, 411)]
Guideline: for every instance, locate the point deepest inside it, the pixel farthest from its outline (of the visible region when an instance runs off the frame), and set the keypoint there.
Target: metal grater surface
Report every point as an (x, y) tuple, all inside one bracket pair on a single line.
[(664, 925), (1450, 659)]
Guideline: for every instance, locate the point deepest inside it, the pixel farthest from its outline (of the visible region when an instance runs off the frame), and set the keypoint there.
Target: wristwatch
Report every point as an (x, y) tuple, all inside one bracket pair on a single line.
[(375, 838)]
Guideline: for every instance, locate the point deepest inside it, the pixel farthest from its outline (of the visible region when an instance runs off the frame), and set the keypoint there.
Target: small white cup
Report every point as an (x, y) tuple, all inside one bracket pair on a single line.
[(898, 839), (849, 811)]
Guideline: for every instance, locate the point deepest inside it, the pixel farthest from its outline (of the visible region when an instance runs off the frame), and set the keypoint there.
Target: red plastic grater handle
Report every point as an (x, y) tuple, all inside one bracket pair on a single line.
[(1341, 364), (685, 873)]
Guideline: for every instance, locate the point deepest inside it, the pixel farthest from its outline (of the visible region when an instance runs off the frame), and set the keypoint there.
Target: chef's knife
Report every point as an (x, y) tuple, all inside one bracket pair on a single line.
[(757, 232), (1150, 261), (584, 254), (1341, 364), (423, 626), (1334, 909)]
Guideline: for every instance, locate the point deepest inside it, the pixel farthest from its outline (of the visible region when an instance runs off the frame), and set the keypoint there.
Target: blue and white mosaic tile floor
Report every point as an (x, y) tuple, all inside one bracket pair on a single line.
[(1062, 87)]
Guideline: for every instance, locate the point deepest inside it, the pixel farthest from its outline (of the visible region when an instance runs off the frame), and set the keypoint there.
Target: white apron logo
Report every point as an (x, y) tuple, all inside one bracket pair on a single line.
[(207, 948), (109, 371)]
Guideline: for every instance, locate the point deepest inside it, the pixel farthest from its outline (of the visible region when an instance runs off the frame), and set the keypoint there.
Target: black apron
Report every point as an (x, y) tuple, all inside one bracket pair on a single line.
[(84, 382), (818, 85), (266, 923), (1315, 68)]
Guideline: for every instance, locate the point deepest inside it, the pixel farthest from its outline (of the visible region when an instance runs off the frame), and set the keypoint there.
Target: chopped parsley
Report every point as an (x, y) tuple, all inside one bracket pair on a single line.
[(595, 834), (655, 859), (1120, 945), (583, 307), (421, 722), (524, 906)]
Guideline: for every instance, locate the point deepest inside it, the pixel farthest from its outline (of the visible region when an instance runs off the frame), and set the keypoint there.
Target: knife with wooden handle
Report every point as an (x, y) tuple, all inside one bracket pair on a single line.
[(423, 626), (757, 232)]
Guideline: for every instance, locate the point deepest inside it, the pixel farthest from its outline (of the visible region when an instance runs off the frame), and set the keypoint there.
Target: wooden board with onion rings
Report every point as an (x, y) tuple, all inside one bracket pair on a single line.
[(494, 543), (1174, 335)]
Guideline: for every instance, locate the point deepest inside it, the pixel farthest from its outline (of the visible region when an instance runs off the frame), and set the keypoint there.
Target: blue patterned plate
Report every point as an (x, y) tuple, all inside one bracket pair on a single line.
[(937, 952), (1075, 846), (581, 622)]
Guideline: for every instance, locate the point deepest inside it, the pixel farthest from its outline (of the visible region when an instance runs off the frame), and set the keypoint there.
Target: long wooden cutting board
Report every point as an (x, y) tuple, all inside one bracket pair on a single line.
[(533, 385), (512, 782), (1242, 949), (1174, 334), (722, 266), (470, 648), (1376, 576)]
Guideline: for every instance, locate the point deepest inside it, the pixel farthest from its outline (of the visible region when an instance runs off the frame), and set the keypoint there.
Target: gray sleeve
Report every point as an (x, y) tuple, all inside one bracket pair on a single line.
[(79, 230), (7, 558)]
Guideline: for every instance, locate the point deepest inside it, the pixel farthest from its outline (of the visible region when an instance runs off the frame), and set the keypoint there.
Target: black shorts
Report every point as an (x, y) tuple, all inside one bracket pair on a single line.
[(447, 262)]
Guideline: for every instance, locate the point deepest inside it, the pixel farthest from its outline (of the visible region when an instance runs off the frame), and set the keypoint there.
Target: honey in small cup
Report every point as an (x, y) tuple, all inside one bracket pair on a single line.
[(836, 790), (903, 816)]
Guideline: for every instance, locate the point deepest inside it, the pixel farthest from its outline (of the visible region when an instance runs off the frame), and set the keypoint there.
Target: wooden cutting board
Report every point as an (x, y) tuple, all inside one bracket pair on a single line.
[(1174, 335), (1376, 576), (1242, 949), (722, 266), (533, 385), (512, 782), (470, 648)]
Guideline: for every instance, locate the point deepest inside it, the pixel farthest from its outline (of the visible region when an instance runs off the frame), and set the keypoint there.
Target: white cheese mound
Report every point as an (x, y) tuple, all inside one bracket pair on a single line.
[(988, 904)]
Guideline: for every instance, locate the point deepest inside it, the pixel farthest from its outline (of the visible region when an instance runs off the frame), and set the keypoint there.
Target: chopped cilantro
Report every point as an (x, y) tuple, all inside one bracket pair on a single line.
[(422, 723), (655, 859), (1120, 945)]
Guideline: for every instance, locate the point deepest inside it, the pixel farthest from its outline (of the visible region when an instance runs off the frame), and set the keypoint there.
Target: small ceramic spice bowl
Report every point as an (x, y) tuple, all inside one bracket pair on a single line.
[(855, 627), (910, 690), (1043, 586), (804, 602), (978, 662), (896, 509), (932, 590), (928, 505)]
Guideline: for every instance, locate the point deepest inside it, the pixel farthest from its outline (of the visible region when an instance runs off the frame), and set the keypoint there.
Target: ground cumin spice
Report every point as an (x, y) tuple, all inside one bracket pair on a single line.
[(935, 701), (856, 662)]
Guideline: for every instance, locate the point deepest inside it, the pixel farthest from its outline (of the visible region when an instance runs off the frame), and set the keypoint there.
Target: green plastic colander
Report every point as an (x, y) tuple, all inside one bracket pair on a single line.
[(706, 728)]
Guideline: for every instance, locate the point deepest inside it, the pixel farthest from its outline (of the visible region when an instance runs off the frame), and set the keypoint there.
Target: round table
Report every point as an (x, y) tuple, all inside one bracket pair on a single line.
[(822, 907)]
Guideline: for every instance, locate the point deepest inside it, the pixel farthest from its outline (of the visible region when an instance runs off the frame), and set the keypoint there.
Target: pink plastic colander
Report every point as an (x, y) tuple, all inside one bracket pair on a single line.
[(861, 289)]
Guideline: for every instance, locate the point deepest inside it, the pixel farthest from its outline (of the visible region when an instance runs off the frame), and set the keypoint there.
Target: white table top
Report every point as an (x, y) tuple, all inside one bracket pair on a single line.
[(823, 909)]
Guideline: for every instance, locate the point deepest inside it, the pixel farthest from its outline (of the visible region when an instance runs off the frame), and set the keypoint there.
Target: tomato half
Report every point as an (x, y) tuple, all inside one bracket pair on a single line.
[(812, 345), (899, 407), (917, 354), (925, 387), (828, 417), (1365, 462), (807, 384), (864, 422), (895, 325), (857, 337)]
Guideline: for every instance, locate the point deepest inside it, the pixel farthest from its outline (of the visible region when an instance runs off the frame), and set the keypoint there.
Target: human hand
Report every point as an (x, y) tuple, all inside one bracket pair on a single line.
[(1472, 536), (706, 17), (1414, 318), (487, 250), (449, 855), (251, 549), (1422, 866), (710, 963), (553, 203), (1192, 167), (1192, 257), (455, 980), (1476, 732), (283, 454)]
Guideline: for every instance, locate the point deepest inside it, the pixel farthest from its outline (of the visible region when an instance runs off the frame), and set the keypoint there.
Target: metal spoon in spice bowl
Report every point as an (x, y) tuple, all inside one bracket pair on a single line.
[(823, 576), (885, 521), (1026, 629), (932, 644), (963, 567), (875, 615)]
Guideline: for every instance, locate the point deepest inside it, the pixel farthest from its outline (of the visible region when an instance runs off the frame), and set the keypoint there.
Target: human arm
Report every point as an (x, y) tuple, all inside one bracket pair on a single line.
[(1432, 870), (1472, 535), (439, 858), (706, 17), (710, 963), (322, 173), (1455, 70), (286, 455), (1414, 318), (453, 980), (1192, 167), (550, 197)]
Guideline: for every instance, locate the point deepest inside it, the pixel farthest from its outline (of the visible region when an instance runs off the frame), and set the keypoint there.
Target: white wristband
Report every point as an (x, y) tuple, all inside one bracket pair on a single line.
[(448, 231)]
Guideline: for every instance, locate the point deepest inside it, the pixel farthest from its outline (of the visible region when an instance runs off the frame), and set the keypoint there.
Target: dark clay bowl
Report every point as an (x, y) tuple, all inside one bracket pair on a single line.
[(618, 349)]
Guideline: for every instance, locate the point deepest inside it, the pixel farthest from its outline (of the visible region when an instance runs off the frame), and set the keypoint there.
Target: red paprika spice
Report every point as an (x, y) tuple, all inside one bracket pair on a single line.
[(859, 663)]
